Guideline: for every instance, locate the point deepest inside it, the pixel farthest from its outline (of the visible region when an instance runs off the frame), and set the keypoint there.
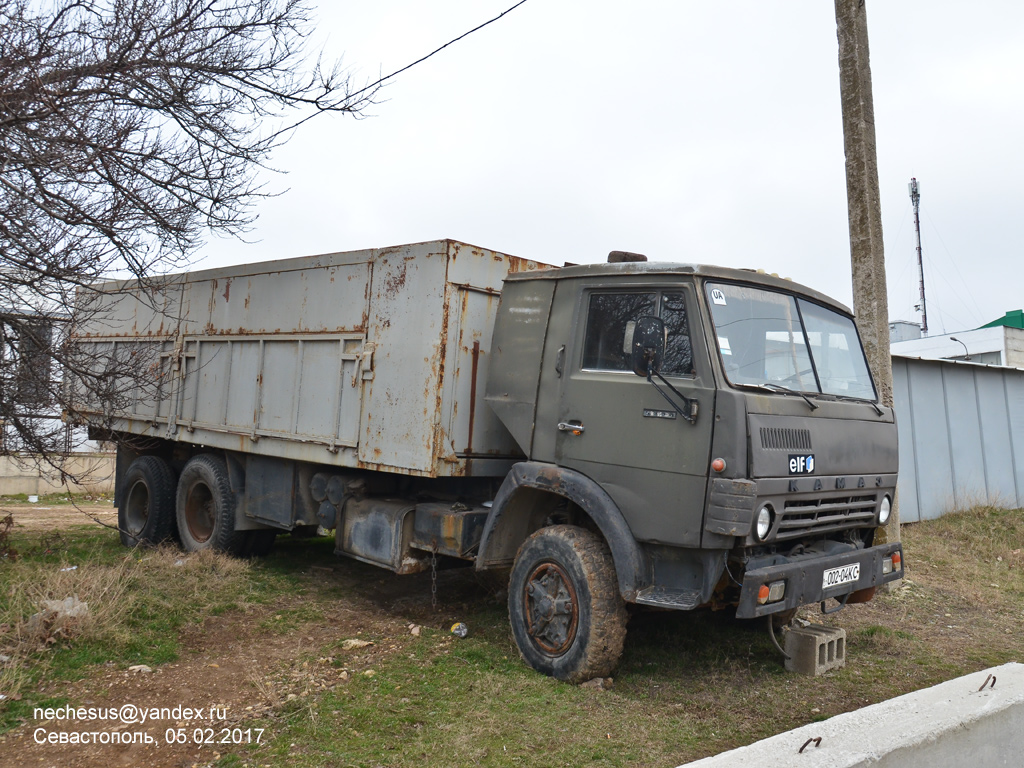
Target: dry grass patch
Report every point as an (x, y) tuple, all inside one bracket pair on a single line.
[(978, 554), (130, 607)]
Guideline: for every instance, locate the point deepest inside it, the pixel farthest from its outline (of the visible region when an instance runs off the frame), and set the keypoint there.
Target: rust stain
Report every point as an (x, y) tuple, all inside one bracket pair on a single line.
[(440, 370), (394, 282), (213, 298), (472, 394), (227, 290), (210, 330)]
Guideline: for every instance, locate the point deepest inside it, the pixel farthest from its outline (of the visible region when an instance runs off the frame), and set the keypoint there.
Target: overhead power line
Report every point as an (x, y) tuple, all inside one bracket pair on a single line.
[(406, 68)]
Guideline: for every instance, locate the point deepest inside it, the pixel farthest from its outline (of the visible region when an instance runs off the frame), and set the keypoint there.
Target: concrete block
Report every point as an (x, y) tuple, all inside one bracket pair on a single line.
[(973, 720), (814, 650)]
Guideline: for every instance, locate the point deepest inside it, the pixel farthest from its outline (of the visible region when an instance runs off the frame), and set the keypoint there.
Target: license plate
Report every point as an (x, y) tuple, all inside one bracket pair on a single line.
[(833, 577)]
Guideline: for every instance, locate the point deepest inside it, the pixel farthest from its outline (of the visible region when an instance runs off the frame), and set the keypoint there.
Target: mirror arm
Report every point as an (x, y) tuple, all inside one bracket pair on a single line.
[(690, 403)]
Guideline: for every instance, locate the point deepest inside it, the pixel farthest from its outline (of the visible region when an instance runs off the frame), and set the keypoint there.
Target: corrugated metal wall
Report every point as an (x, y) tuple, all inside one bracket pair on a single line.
[(961, 429)]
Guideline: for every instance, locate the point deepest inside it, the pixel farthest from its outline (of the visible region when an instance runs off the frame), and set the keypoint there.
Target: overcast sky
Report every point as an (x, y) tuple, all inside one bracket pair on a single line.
[(705, 132)]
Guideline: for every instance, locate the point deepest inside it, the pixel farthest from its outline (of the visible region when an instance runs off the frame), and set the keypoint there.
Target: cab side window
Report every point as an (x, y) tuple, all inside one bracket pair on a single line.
[(610, 319), (607, 320), (678, 352)]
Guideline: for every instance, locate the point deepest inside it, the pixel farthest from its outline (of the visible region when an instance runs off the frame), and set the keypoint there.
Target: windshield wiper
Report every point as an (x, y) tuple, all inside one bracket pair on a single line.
[(872, 403), (779, 388)]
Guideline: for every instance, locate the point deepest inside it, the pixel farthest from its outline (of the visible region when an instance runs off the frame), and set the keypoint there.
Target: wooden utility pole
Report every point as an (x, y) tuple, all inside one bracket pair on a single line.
[(870, 302)]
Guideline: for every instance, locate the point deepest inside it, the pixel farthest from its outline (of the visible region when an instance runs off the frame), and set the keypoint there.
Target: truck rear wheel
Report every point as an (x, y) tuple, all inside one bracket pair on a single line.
[(206, 507), (567, 616), (146, 512)]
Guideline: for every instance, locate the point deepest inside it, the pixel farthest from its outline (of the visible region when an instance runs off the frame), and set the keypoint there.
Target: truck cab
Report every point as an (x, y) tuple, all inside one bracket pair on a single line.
[(717, 429)]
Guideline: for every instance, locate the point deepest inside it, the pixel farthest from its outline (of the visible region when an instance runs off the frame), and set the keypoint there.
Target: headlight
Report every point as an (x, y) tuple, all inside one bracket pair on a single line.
[(884, 511), (764, 523)]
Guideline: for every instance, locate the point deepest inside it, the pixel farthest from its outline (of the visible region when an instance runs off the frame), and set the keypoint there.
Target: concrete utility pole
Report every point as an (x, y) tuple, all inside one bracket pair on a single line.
[(870, 301)]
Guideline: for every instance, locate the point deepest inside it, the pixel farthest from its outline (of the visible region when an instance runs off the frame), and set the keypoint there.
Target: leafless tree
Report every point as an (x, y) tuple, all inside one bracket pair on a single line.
[(129, 129)]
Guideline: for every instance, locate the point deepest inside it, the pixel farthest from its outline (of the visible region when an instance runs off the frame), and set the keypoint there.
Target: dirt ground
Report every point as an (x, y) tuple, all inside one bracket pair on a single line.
[(231, 663), (40, 517)]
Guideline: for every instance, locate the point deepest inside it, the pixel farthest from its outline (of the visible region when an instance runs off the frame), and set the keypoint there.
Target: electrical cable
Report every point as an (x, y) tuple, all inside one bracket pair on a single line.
[(438, 50)]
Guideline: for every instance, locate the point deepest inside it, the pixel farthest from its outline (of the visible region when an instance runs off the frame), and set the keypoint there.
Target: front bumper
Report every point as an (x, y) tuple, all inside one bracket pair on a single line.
[(804, 576)]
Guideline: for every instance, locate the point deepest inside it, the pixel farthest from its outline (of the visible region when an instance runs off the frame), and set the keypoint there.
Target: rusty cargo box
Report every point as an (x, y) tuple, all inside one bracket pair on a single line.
[(372, 359)]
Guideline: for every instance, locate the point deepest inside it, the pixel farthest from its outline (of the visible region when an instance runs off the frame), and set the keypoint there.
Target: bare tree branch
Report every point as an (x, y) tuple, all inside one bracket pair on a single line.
[(128, 130)]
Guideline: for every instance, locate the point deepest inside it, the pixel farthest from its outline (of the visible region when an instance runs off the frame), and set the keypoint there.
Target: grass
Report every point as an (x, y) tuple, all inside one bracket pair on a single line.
[(138, 602), (689, 685)]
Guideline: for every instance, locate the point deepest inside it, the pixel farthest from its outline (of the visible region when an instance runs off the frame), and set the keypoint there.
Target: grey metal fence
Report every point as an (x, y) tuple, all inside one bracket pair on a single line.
[(961, 429)]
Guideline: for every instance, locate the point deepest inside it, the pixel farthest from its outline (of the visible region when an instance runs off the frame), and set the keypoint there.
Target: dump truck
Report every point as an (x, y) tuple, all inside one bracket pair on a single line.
[(624, 433)]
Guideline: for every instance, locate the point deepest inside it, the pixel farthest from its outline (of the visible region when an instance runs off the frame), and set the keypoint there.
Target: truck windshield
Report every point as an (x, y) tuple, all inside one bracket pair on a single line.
[(773, 339)]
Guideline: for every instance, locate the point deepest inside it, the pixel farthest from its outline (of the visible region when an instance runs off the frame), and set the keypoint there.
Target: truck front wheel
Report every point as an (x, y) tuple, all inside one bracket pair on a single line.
[(206, 506), (146, 512), (567, 616)]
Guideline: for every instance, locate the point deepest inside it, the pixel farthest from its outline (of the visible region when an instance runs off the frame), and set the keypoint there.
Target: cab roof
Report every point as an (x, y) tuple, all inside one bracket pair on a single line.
[(658, 268)]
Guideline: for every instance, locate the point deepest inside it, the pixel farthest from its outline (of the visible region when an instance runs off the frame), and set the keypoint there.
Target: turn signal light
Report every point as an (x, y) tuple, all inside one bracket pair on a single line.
[(718, 465), (771, 593)]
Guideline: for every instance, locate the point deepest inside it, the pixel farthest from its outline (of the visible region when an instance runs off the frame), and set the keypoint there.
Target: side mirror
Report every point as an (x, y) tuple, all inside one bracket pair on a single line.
[(648, 345)]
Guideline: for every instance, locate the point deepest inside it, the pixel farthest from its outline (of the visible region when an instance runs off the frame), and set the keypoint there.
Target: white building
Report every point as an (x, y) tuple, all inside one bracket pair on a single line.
[(1000, 342)]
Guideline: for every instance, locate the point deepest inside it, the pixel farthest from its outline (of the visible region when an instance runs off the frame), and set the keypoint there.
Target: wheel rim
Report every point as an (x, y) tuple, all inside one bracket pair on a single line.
[(199, 513), (137, 508), (551, 609)]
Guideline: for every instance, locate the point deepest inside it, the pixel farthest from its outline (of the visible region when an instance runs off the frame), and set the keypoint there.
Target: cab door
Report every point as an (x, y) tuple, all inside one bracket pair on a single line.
[(619, 430)]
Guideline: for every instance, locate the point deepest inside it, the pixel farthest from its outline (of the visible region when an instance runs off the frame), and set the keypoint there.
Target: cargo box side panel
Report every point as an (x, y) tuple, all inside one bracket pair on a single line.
[(273, 353), (279, 354), (407, 328), (473, 430), (513, 367), (308, 298), (484, 269), (297, 389), (143, 395), (329, 391), (128, 328), (128, 310)]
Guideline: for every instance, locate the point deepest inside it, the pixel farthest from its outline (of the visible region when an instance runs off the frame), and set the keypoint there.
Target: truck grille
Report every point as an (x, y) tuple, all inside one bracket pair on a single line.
[(784, 439), (823, 515)]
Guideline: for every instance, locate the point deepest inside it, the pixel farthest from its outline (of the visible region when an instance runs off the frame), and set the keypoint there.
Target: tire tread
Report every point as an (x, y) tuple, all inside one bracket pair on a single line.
[(602, 648), (161, 485), (213, 471)]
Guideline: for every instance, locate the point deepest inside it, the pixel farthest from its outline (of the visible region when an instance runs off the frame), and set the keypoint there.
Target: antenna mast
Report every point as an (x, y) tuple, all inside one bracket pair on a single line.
[(915, 198)]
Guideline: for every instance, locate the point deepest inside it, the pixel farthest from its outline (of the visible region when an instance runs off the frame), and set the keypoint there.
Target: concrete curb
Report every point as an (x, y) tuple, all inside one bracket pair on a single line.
[(950, 725)]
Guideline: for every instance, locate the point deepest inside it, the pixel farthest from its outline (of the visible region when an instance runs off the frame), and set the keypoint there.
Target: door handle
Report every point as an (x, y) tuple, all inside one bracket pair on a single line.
[(568, 426)]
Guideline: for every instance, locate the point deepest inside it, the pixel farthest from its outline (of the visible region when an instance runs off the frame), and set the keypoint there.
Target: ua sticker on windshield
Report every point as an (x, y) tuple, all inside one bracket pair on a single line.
[(801, 465), (717, 296)]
